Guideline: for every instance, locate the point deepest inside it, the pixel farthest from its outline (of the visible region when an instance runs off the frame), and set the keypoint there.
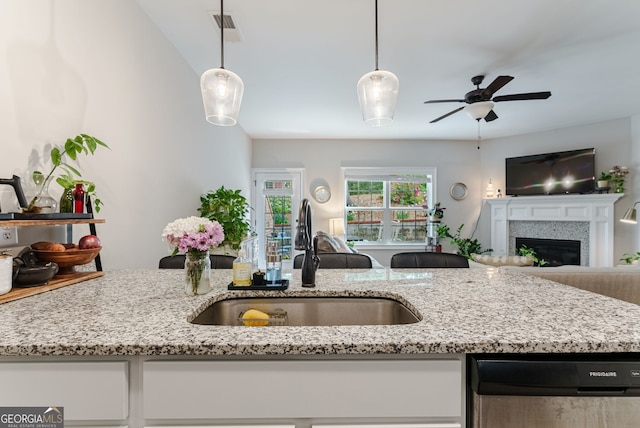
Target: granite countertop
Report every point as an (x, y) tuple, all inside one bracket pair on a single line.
[(146, 312)]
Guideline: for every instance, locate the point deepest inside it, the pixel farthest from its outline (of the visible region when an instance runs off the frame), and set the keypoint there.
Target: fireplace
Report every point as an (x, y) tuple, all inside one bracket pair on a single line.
[(556, 252), (556, 217)]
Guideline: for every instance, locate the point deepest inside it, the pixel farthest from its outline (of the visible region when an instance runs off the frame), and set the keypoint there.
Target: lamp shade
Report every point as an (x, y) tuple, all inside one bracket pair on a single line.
[(222, 95), (378, 92), (336, 226), (629, 216), (479, 110)]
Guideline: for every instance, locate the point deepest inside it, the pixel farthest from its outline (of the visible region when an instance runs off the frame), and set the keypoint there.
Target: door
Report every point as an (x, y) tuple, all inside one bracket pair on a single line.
[(276, 197)]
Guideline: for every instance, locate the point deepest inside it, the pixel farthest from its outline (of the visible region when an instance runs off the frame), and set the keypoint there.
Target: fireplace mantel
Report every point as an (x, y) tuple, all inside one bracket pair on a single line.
[(596, 209)]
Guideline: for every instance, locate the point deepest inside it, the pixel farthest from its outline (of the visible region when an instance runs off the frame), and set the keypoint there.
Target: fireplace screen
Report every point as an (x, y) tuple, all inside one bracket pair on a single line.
[(556, 252)]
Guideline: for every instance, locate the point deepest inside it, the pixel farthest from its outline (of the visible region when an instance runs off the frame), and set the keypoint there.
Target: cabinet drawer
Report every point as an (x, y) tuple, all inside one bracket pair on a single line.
[(302, 389), (87, 391)]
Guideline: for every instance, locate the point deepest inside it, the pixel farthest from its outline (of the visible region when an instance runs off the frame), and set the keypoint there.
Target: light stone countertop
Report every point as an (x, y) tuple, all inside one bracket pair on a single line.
[(146, 312)]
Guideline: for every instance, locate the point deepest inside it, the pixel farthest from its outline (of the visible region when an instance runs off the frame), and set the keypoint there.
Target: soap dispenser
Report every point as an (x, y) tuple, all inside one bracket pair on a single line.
[(242, 269), (274, 265)]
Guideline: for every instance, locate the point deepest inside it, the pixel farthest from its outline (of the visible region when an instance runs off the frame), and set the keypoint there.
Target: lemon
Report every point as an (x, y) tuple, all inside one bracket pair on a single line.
[(254, 314)]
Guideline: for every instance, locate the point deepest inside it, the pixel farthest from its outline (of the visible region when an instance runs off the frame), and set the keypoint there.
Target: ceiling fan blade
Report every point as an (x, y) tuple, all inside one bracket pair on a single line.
[(523, 97), (448, 114), (444, 101), (491, 116), (496, 85)]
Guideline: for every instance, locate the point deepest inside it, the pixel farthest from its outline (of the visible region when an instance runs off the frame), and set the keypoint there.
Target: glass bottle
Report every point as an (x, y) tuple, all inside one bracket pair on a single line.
[(242, 269), (66, 200), (274, 265), (78, 199)]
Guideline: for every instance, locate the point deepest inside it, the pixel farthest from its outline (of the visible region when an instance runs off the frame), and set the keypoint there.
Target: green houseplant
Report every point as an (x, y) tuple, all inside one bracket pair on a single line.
[(604, 179), (229, 208), (81, 144), (466, 246)]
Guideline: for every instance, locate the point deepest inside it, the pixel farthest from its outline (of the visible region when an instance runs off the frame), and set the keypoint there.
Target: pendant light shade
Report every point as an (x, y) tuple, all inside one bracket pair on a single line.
[(221, 89), (378, 91), (221, 94)]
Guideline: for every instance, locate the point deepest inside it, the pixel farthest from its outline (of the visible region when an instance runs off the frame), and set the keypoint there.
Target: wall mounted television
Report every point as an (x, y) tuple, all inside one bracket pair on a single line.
[(571, 171)]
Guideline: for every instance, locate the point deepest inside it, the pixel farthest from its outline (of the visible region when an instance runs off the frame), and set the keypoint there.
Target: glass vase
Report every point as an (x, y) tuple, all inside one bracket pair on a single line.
[(42, 202), (197, 272), (66, 200)]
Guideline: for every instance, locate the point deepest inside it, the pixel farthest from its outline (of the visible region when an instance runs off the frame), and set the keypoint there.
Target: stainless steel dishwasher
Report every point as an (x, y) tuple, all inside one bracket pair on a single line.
[(554, 391)]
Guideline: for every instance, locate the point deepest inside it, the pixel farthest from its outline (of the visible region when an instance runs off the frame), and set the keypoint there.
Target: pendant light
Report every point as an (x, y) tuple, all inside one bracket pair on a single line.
[(377, 92), (221, 89)]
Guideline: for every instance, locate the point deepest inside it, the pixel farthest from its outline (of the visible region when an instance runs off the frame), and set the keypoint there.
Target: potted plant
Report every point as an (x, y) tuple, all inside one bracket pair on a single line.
[(229, 208), (73, 147), (603, 180), (618, 173), (435, 213), (466, 246)]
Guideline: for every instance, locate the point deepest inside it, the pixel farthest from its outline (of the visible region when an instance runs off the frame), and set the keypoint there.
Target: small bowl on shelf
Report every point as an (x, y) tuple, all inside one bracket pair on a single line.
[(68, 259), (34, 276)]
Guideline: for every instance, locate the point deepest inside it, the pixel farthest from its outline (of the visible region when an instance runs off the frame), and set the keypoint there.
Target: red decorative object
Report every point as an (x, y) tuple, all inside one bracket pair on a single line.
[(78, 199)]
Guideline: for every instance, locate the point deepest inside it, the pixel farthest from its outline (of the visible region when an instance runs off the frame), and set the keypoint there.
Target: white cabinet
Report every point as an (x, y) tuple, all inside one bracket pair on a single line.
[(88, 391), (416, 389), (166, 392)]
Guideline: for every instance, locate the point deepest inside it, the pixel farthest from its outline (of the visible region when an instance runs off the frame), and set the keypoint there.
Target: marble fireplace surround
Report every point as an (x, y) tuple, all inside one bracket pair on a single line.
[(595, 211)]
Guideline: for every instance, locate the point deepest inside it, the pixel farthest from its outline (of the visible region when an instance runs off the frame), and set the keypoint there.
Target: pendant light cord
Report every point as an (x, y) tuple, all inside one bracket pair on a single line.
[(221, 34), (478, 134), (376, 67)]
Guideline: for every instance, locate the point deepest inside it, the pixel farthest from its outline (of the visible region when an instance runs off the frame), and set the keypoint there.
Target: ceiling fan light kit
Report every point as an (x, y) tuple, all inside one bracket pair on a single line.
[(481, 100), (479, 110), (378, 91), (221, 89)]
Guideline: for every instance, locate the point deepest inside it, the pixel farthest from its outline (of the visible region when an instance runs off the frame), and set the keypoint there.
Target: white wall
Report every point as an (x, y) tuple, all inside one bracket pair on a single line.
[(614, 145), (102, 68), (456, 161)]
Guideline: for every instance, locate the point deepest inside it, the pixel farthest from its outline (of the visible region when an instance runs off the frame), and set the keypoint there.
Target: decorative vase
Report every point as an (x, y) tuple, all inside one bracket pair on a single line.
[(197, 272), (603, 184), (66, 200), (78, 199), (44, 203), (619, 188)]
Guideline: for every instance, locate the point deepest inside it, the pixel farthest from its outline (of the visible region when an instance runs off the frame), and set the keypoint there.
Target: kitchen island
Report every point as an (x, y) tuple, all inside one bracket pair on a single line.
[(131, 329)]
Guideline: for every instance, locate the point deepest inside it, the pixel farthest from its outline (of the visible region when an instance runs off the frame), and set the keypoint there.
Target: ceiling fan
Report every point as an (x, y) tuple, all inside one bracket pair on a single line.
[(484, 101)]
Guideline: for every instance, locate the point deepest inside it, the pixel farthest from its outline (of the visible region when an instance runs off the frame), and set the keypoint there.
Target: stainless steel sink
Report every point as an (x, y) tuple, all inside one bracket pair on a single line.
[(309, 311)]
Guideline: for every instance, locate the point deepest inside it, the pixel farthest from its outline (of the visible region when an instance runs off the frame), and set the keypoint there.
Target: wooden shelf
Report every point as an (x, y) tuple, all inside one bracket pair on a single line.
[(56, 282), (51, 222)]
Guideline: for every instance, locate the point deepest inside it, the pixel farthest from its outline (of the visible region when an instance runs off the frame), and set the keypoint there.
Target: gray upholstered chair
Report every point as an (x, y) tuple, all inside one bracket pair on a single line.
[(422, 259), (218, 261), (338, 261)]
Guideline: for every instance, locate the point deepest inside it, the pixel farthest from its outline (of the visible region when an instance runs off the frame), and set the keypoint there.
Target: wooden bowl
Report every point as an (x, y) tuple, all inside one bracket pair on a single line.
[(66, 260)]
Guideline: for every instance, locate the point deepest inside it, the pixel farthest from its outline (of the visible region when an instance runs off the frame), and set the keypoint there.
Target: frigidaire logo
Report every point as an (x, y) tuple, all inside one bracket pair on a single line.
[(31, 417), (603, 374)]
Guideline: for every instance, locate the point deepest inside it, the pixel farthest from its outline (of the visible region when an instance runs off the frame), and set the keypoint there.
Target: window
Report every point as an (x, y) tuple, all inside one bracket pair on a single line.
[(387, 205)]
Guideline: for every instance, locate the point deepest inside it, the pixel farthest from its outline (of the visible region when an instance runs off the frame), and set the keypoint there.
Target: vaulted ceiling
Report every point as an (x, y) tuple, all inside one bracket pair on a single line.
[(300, 61)]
